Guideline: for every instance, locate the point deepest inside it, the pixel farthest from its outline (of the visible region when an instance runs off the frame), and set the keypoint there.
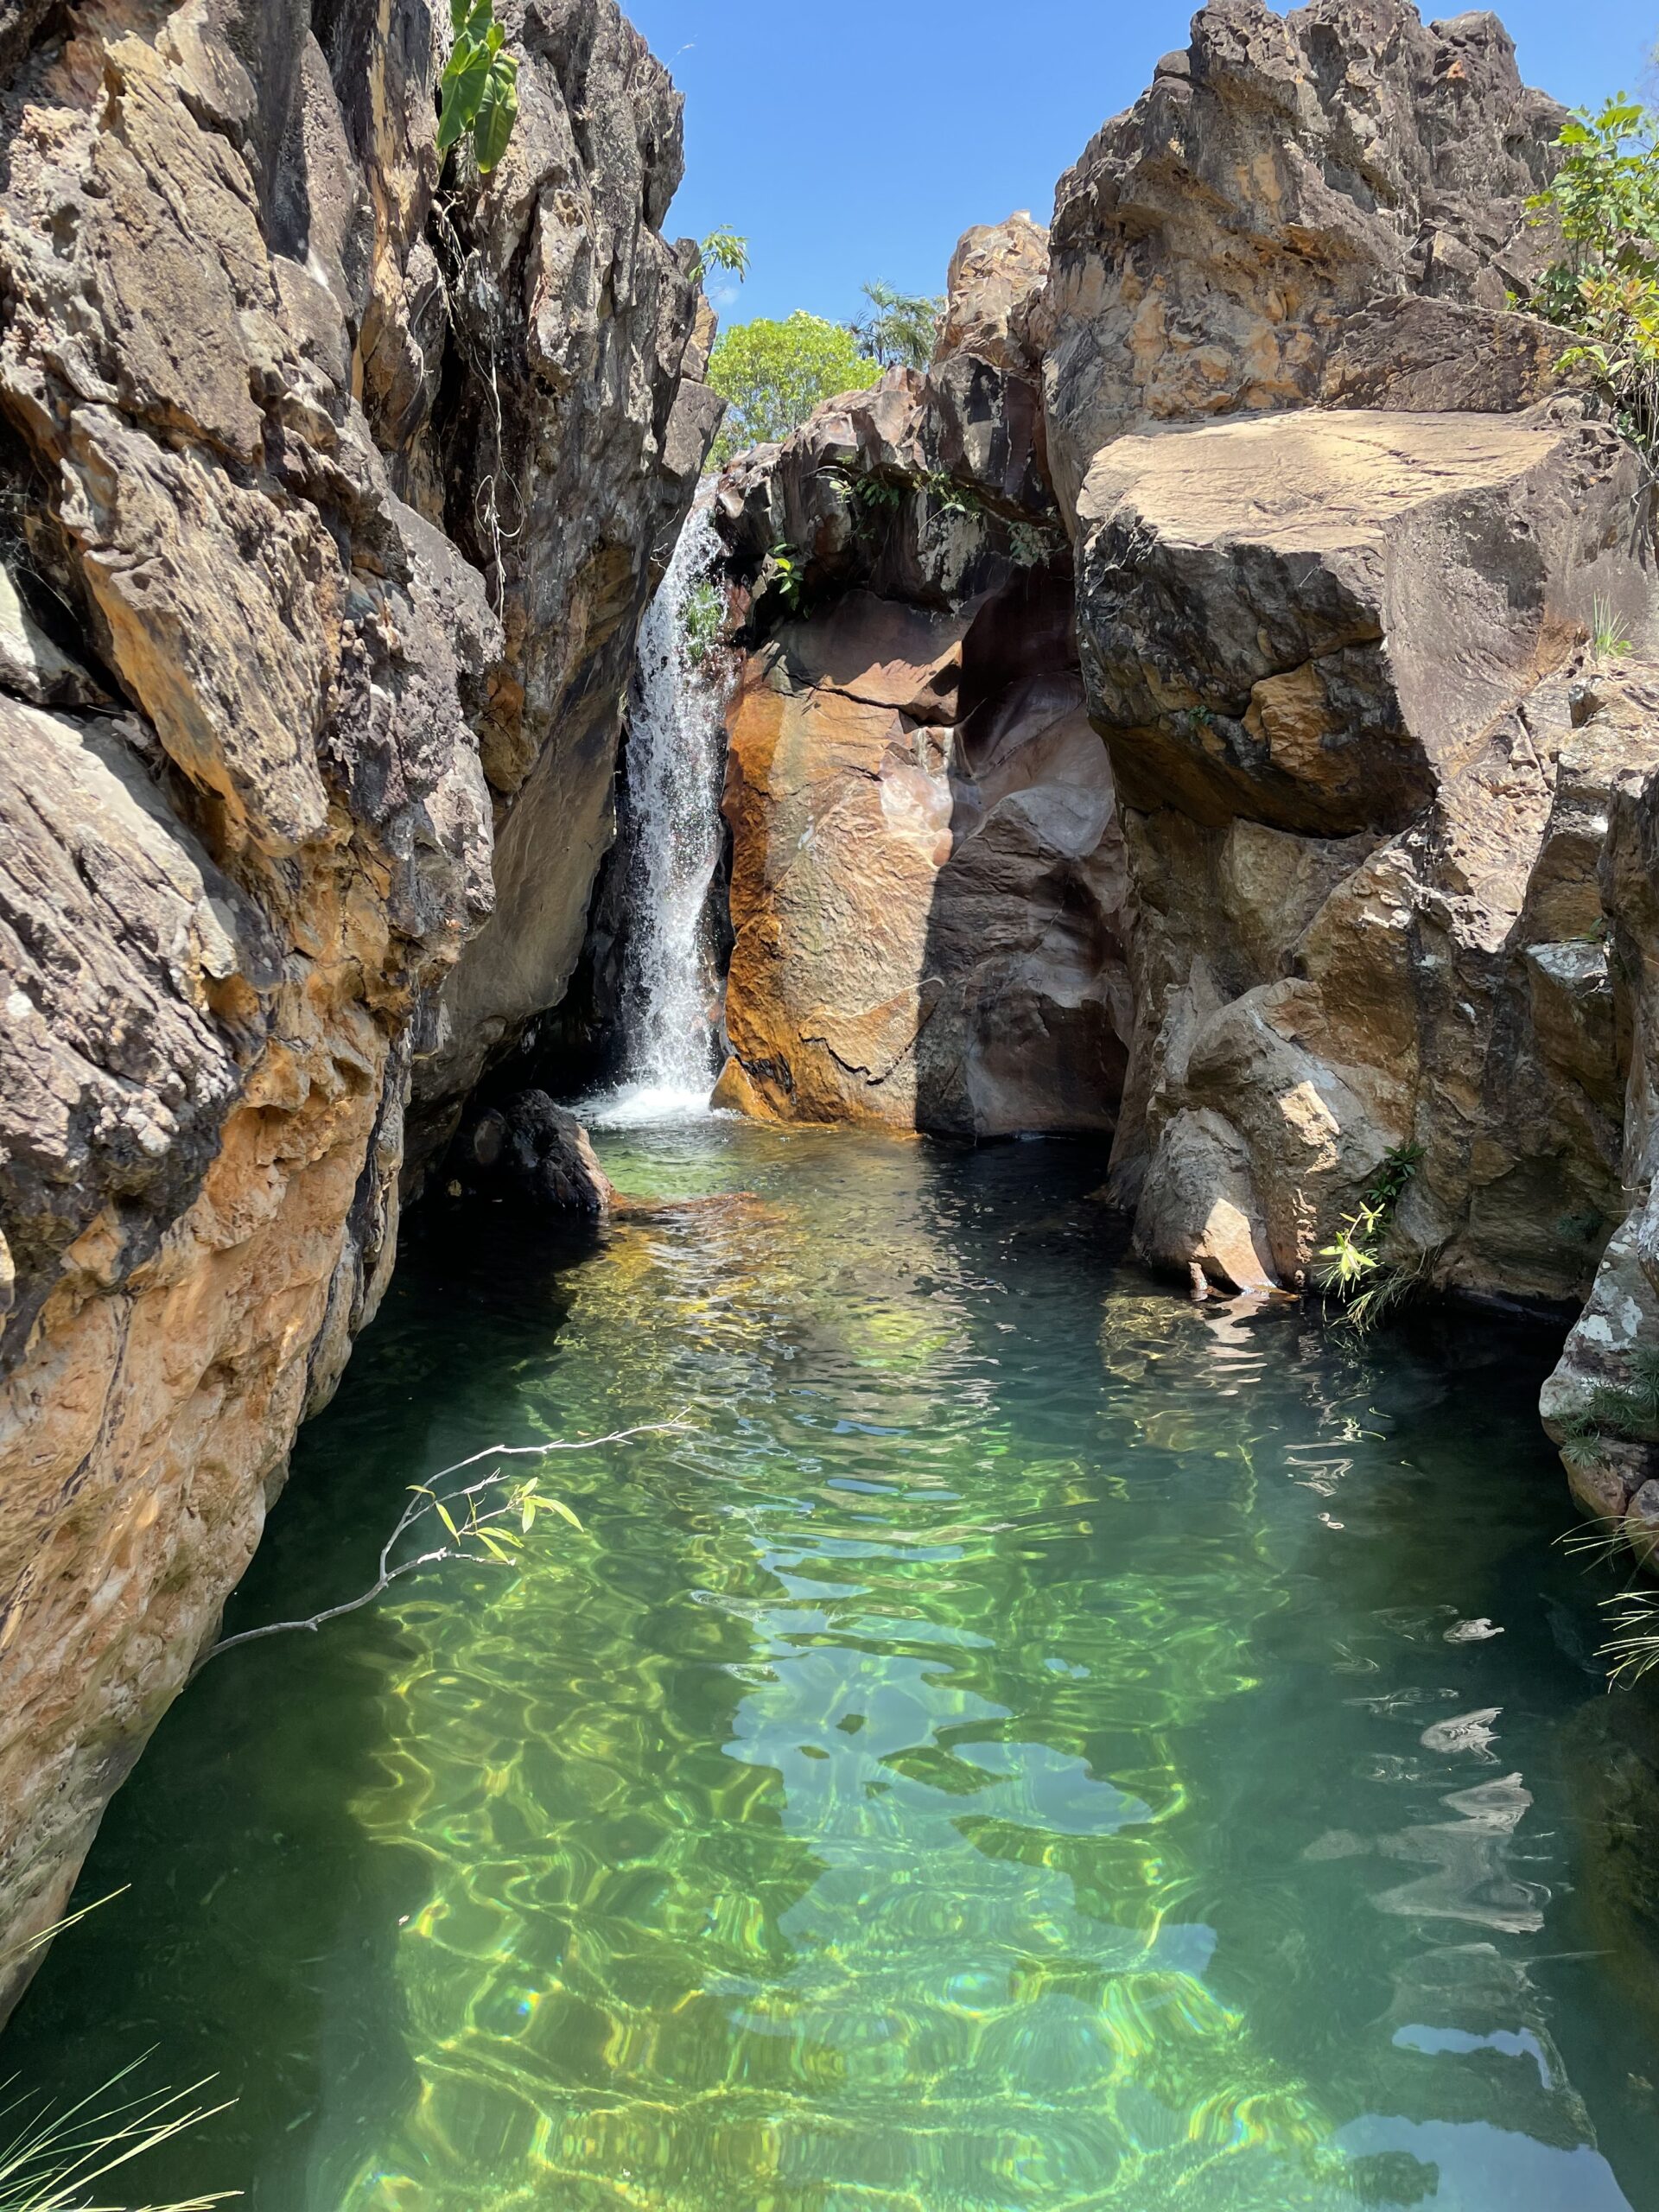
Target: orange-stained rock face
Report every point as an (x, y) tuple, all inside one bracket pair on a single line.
[(927, 912), (995, 284), (318, 721)]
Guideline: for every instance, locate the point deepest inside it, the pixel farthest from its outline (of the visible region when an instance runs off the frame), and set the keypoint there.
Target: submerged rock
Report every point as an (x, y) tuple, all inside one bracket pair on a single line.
[(349, 491)]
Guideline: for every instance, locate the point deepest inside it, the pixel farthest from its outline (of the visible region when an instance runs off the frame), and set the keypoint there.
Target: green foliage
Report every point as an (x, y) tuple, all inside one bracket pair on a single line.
[(1031, 544), (1605, 199), (723, 249), (1609, 638), (950, 496), (1611, 1411), (877, 499), (786, 573), (1632, 1613), (878, 494), (701, 615), (479, 85), (901, 328), (1355, 1274), (772, 375)]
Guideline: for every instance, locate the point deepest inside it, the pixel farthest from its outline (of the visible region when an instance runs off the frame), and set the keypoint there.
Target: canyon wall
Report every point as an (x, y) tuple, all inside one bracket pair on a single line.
[(927, 872), (1379, 897), (330, 485)]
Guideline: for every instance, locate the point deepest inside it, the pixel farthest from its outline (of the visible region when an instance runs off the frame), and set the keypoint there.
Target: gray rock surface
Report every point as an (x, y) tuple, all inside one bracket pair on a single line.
[(332, 494), (1282, 175)]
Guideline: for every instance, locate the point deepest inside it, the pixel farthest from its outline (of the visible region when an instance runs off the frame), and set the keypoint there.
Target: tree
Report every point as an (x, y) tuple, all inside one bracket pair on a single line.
[(901, 328), (773, 374), (1604, 201)]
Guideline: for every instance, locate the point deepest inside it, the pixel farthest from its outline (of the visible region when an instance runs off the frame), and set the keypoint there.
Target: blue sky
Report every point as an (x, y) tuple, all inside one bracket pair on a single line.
[(850, 139)]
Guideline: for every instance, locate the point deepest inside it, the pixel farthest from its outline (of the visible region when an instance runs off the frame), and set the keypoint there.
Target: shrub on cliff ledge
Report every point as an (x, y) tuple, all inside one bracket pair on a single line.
[(1605, 199), (773, 374)]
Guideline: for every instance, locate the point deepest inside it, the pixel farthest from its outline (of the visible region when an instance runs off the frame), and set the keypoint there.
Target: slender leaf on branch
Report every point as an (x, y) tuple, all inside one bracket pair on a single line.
[(484, 1509)]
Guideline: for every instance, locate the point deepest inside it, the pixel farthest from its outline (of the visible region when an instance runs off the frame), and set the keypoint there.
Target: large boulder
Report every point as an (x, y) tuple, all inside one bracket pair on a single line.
[(927, 876), (1318, 646), (303, 610), (1281, 175), (1343, 536), (530, 1153)]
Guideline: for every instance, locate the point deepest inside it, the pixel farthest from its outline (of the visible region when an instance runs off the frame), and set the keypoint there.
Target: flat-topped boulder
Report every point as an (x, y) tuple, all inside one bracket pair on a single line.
[(1278, 176), (1307, 618)]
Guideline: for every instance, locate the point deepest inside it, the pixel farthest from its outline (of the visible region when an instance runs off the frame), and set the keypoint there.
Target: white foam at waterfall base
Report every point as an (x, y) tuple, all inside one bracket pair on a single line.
[(637, 1105), (673, 768)]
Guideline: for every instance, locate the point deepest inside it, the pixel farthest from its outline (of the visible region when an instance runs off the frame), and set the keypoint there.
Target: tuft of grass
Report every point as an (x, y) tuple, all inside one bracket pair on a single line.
[(1611, 1411), (53, 2157), (1632, 1649), (1609, 638), (56, 2157), (1366, 1285)]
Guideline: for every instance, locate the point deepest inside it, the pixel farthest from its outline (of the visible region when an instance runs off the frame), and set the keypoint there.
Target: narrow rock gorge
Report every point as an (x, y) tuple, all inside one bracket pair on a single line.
[(1340, 887), (333, 496), (1172, 718)]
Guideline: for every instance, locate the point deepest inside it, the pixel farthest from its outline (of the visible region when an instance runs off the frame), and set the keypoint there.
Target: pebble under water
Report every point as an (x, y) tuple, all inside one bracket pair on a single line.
[(1029, 1743)]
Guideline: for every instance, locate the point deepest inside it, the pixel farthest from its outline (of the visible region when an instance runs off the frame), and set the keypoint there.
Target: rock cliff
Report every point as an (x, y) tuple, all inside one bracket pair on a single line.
[(330, 489), (1378, 896), (927, 876), (1340, 540)]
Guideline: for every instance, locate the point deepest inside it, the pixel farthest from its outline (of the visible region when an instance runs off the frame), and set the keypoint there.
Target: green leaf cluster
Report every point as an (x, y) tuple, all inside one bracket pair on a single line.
[(723, 249), (901, 329), (479, 85), (1353, 1271), (1604, 199), (786, 573), (772, 374)]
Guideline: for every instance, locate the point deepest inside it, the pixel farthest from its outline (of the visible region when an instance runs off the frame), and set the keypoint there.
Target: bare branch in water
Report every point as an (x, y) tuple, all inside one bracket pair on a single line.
[(458, 1510)]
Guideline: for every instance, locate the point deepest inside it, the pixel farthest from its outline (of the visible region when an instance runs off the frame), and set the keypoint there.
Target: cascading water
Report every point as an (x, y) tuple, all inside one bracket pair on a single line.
[(672, 848)]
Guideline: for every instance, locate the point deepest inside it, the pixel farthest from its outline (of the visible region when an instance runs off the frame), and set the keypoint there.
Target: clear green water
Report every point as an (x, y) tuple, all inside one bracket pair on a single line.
[(1033, 1743)]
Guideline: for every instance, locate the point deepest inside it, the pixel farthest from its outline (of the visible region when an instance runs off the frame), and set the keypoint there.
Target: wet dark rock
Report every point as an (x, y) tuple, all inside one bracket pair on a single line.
[(534, 1154)]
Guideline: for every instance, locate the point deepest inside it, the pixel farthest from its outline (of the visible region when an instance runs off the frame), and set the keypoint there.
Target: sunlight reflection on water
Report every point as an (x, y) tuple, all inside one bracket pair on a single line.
[(1018, 1749)]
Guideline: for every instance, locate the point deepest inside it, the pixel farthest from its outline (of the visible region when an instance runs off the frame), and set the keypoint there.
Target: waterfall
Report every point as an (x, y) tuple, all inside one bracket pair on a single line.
[(672, 843)]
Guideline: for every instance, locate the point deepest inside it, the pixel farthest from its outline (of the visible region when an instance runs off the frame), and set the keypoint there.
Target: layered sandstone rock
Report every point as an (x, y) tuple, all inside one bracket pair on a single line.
[(302, 611), (1281, 175), (1602, 1402), (1344, 784), (927, 874), (925, 892), (1341, 538)]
